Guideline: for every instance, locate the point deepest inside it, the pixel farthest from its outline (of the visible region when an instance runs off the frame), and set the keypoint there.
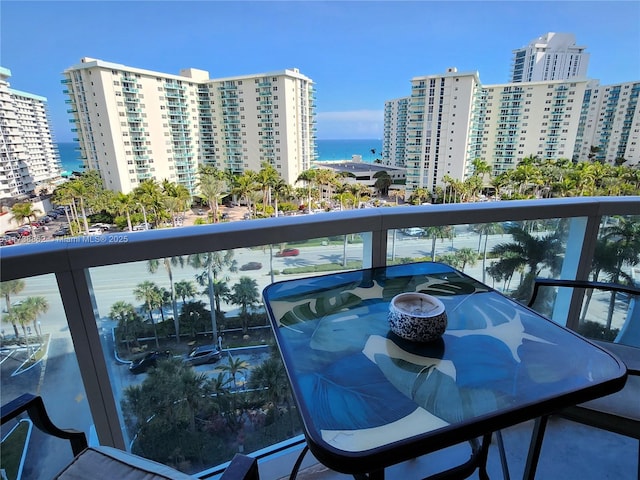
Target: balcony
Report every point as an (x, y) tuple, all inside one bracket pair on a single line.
[(83, 278)]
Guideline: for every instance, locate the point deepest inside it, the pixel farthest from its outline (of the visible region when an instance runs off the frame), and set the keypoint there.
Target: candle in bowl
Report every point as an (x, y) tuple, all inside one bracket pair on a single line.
[(417, 316)]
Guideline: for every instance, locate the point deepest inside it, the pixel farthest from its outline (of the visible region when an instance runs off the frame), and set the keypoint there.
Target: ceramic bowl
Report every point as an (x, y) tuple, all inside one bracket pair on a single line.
[(417, 317)]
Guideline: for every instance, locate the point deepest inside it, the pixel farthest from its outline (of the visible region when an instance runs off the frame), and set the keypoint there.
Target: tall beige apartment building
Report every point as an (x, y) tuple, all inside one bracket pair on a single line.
[(29, 158), (134, 124), (513, 121), (453, 119)]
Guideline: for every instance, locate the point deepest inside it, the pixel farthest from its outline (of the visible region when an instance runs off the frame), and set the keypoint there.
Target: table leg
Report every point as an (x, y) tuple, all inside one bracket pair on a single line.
[(534, 448), (482, 457)]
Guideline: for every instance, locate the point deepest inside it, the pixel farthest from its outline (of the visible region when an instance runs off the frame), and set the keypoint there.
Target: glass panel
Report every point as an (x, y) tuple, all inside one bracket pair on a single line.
[(37, 357), (504, 255), (604, 315), (221, 388)]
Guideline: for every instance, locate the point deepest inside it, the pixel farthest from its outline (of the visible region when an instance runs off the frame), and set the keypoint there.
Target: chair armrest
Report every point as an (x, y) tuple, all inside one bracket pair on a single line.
[(554, 282), (629, 355), (242, 467), (34, 406)]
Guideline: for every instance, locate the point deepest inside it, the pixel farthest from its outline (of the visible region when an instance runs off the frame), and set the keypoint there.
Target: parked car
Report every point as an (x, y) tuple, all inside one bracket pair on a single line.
[(103, 226), (24, 231), (413, 232), (203, 354), (288, 252), (251, 266), (142, 226), (6, 240), (61, 232), (53, 214), (13, 234), (95, 231), (148, 361)]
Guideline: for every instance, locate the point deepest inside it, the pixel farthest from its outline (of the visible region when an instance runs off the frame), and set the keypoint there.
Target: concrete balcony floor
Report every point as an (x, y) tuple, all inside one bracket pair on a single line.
[(570, 451)]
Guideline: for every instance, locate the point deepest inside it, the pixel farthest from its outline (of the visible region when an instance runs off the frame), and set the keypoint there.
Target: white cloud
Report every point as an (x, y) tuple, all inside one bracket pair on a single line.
[(351, 124)]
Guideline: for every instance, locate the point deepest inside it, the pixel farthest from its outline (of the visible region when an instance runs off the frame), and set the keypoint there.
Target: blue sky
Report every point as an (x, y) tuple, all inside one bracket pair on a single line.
[(359, 53)]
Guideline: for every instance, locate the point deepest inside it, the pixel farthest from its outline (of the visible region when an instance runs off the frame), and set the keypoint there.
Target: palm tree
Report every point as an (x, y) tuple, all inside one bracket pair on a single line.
[(533, 252), (152, 266), (213, 186), (325, 177), (244, 186), (125, 314), (233, 367), (35, 307), (441, 232), (212, 264), (8, 288), (309, 178), (419, 196), (486, 229), (123, 203), (626, 237), (245, 293), (28, 311), (467, 256), (184, 289), (383, 182), (281, 191), (24, 211), (267, 178), (148, 292), (150, 196)]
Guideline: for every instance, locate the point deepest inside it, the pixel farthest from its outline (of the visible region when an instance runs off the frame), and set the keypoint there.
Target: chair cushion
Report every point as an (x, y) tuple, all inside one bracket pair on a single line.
[(618, 412), (107, 463)]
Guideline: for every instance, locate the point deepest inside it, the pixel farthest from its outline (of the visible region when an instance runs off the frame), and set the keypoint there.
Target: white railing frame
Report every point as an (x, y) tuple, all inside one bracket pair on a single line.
[(70, 260)]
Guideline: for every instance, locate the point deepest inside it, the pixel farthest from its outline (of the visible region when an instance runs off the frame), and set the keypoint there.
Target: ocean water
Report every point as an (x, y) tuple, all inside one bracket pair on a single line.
[(69, 157), (345, 149), (327, 150)]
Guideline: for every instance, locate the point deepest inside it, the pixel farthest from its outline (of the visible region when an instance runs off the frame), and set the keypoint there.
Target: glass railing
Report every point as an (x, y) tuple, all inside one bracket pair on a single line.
[(127, 295)]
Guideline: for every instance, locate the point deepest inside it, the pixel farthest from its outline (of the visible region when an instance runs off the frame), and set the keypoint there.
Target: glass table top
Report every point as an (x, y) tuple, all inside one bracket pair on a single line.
[(362, 389)]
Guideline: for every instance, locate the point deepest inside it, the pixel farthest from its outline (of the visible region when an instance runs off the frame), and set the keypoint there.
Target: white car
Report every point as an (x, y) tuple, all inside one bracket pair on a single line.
[(95, 231), (142, 226)]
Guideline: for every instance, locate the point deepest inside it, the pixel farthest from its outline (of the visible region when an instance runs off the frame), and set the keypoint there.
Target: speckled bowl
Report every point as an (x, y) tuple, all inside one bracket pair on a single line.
[(417, 317)]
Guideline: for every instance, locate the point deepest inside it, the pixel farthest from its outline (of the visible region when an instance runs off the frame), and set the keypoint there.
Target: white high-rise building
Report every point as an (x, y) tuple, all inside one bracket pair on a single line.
[(553, 56), (452, 120), (518, 120), (28, 155), (609, 129), (135, 124), (437, 127), (395, 131)]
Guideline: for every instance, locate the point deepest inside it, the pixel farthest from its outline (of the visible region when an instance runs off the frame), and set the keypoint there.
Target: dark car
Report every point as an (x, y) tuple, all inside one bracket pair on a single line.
[(251, 266), (288, 252), (203, 354), (61, 232), (24, 231), (150, 360), (13, 234)]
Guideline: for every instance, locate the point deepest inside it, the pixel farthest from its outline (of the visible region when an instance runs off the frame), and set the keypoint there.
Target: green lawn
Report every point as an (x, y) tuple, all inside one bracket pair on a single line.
[(11, 450)]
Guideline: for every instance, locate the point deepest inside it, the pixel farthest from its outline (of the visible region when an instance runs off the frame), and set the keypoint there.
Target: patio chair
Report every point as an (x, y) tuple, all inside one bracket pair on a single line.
[(619, 412), (107, 463)]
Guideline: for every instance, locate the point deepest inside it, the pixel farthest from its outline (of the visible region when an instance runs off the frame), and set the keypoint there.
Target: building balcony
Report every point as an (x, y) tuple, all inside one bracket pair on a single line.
[(87, 355)]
